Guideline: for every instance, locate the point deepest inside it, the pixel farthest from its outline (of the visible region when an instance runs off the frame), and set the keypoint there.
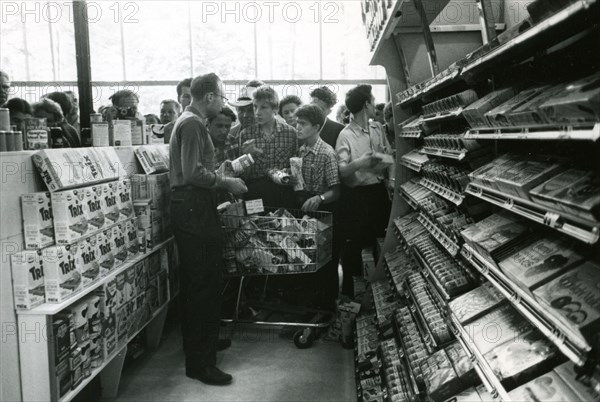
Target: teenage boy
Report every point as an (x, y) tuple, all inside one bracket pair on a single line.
[(226, 147), (321, 189), (276, 143), (169, 111), (197, 228), (326, 99), (366, 206)]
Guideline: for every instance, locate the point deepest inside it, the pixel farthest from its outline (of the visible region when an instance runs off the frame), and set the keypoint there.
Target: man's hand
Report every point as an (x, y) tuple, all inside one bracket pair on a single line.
[(235, 186), (368, 160), (390, 185), (312, 204)]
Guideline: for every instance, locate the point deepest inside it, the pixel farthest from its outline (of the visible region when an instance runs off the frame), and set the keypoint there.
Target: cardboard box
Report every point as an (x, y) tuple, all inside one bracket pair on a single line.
[(541, 260), (38, 222), (138, 131), (93, 206), (574, 191), (578, 103), (100, 134), (109, 334), (158, 189), (63, 378), (35, 133), (153, 158), (109, 297), (110, 204), (122, 291), (142, 307), (106, 162), (462, 364), (62, 279), (28, 279), (525, 175), (70, 218), (131, 239), (573, 298), (105, 254), (475, 112), (124, 200), (61, 337), (130, 286), (119, 243), (88, 265), (156, 226), (546, 388), (141, 277), (485, 176), (495, 231), (139, 187), (152, 297), (580, 386)]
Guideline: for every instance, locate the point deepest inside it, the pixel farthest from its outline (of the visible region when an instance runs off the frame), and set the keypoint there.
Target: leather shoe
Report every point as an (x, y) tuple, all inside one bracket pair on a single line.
[(223, 344), (209, 375)]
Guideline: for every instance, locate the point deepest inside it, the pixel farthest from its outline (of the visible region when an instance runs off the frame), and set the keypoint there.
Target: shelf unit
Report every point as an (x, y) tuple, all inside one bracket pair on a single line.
[(451, 247), (575, 227), (442, 191), (589, 132), (443, 116), (405, 160)]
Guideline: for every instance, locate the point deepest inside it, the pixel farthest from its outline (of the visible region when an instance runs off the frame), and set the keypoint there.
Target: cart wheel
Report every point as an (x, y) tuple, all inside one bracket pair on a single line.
[(304, 338)]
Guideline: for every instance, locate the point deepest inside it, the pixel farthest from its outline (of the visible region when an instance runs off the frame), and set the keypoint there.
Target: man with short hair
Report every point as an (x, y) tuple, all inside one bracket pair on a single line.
[(326, 99), (169, 111), (277, 143), (366, 205), (184, 95), (226, 147), (4, 87), (125, 105), (197, 228)]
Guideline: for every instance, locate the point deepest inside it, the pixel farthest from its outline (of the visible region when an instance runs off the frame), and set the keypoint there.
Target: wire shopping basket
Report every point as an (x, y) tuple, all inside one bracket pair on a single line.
[(276, 242)]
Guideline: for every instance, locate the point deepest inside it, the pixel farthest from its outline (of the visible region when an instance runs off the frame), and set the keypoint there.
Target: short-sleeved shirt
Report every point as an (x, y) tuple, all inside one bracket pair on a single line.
[(319, 167), (278, 148), (191, 152), (353, 142)]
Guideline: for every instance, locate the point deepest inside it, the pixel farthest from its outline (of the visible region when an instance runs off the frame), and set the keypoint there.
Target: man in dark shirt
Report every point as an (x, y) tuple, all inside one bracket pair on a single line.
[(197, 228), (324, 98)]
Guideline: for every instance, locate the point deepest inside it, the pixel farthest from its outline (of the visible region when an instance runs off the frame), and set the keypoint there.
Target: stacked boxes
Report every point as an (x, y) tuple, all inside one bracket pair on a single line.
[(28, 279), (38, 223)]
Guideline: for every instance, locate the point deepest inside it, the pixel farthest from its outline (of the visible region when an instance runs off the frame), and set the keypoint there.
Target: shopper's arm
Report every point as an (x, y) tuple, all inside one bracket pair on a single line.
[(313, 203), (366, 161)]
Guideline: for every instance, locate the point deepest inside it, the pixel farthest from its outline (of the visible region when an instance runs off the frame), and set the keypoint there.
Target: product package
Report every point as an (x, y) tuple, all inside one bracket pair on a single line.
[(158, 190), (475, 112), (88, 265), (138, 131), (100, 134), (105, 255), (542, 259), (440, 378), (528, 114), (296, 169), (486, 175), (110, 205), (579, 385), (462, 364), (121, 133), (131, 238), (28, 279), (573, 299), (525, 175), (468, 395), (93, 206), (70, 217), (139, 187), (574, 191), (35, 133), (124, 199), (546, 388), (578, 103), (130, 286), (141, 277), (118, 244), (61, 337), (153, 158), (62, 279), (38, 222), (498, 117)]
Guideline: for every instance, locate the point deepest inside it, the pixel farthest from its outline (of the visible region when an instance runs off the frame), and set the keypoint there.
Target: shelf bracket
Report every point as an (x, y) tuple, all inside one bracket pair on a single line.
[(433, 64), (486, 20)]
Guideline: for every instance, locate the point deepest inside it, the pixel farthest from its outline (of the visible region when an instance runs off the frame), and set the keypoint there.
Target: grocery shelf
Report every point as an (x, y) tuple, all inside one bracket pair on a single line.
[(589, 132), (51, 309), (411, 164), (442, 116), (415, 133), (442, 191), (433, 280), (440, 81), (451, 247), (482, 367), (570, 342), (578, 228), (458, 155), (554, 28), (420, 320), (121, 349), (405, 359), (409, 200)]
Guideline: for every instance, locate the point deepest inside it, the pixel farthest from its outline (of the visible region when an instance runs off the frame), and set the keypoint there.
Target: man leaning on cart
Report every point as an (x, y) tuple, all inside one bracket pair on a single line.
[(197, 228)]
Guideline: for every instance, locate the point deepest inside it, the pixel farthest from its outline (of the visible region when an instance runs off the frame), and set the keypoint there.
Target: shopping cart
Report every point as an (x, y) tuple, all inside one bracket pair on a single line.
[(277, 242)]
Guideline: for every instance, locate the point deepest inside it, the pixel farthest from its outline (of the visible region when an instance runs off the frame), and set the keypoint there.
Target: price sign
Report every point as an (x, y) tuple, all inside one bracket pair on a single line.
[(254, 206)]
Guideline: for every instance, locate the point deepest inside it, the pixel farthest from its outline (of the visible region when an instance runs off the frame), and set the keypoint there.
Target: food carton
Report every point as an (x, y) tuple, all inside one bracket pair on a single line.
[(153, 158), (121, 133), (93, 207), (440, 378), (110, 204), (525, 175), (89, 266), (118, 244), (139, 187), (124, 200), (131, 239), (105, 253), (122, 290), (61, 338), (70, 218), (38, 222), (28, 279), (141, 277), (498, 117), (130, 288), (494, 232), (62, 279), (528, 114), (143, 208)]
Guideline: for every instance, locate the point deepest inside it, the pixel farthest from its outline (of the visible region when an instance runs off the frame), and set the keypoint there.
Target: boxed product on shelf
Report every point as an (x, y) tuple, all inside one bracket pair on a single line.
[(123, 323), (496, 232), (579, 102), (141, 276), (118, 244), (504, 324), (542, 259), (61, 338), (475, 112), (76, 368), (158, 189), (131, 238), (109, 203), (440, 378), (139, 186), (105, 254), (70, 217), (121, 294), (573, 298), (578, 384), (498, 116), (88, 263), (93, 206), (130, 287), (527, 174), (485, 175), (38, 222), (28, 279), (462, 364), (63, 378), (520, 359), (94, 317), (152, 297), (141, 306), (121, 133), (528, 114), (156, 226), (153, 158), (143, 208), (124, 200), (574, 191), (61, 277), (468, 395), (546, 388)]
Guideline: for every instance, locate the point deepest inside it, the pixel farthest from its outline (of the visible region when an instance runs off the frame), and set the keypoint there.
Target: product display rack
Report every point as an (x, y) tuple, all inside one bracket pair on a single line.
[(583, 132), (451, 247), (458, 155), (443, 191)]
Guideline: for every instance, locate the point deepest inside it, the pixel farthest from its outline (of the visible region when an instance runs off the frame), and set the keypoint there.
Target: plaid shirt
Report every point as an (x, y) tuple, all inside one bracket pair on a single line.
[(277, 148), (319, 167), (228, 150)]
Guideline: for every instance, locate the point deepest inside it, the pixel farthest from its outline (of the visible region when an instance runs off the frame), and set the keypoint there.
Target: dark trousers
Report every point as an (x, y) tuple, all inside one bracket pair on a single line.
[(365, 212), (197, 230)]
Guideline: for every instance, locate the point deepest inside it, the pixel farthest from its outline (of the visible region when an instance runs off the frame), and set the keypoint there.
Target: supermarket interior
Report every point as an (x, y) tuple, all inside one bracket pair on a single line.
[(346, 200)]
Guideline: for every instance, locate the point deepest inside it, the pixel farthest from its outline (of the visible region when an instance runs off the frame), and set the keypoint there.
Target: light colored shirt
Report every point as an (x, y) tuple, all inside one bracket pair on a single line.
[(353, 142), (319, 167), (191, 152)]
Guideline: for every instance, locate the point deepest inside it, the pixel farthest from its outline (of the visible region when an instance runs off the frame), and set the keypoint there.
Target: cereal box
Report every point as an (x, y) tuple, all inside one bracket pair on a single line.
[(118, 245), (109, 202), (38, 223), (61, 277), (105, 253), (123, 322), (28, 279), (89, 265), (124, 201), (93, 206), (139, 186), (153, 158), (70, 217), (131, 238)]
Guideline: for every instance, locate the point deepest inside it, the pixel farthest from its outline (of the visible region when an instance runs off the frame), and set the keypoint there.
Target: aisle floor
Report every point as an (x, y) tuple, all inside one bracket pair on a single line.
[(265, 367)]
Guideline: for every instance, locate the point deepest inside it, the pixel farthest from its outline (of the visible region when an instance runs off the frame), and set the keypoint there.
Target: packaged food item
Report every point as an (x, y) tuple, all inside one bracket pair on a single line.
[(279, 176), (578, 103), (242, 163), (485, 176), (468, 395), (124, 201), (123, 323), (131, 240), (573, 299), (61, 277), (158, 188), (138, 130), (525, 175), (153, 158), (118, 244), (574, 191), (139, 187), (70, 218), (38, 222), (130, 286), (100, 134), (36, 133), (528, 114), (462, 364), (105, 255), (63, 378), (88, 264), (61, 338), (296, 172), (495, 232), (121, 133), (440, 378), (475, 112), (546, 388), (155, 134), (109, 203), (578, 384), (542, 259), (28, 279), (93, 316)]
